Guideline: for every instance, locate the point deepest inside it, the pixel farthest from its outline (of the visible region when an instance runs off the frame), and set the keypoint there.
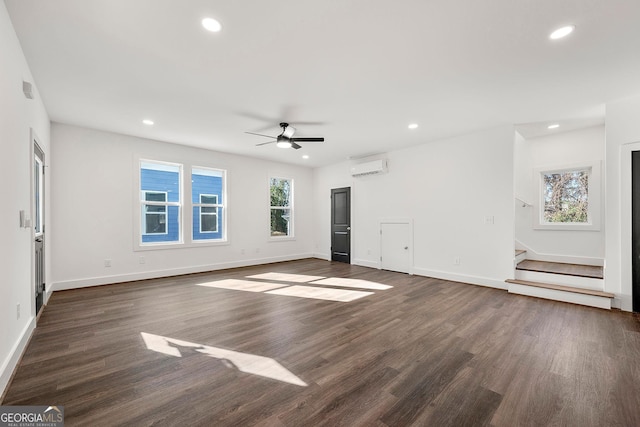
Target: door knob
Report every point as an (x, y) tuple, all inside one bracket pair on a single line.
[(348, 228), (406, 247)]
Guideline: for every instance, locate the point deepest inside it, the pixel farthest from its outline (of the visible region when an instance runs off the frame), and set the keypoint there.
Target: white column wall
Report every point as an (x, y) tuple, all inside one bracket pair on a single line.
[(18, 116)]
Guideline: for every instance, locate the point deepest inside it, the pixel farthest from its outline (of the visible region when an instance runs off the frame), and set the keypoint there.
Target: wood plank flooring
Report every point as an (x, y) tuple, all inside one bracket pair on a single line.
[(425, 352), (579, 270)]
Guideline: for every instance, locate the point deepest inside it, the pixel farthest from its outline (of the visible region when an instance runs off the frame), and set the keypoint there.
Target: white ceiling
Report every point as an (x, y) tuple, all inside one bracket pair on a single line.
[(364, 69)]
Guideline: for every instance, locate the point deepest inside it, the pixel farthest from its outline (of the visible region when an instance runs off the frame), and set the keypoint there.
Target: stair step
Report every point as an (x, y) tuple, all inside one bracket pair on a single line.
[(579, 270), (562, 288), (520, 251)]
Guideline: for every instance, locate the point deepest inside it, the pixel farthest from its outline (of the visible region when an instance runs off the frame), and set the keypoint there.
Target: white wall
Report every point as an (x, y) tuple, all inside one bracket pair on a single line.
[(448, 188), (93, 210), (623, 137), (17, 116), (557, 150)]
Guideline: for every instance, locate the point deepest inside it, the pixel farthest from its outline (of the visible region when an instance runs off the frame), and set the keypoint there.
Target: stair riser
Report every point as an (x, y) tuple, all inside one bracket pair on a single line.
[(561, 279), (552, 294)]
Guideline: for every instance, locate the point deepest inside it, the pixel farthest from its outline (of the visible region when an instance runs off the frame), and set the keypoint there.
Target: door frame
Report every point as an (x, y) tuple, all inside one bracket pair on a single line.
[(409, 222), (34, 141)]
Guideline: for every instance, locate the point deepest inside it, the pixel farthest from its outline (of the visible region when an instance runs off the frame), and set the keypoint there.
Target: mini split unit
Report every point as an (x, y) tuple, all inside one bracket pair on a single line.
[(370, 168)]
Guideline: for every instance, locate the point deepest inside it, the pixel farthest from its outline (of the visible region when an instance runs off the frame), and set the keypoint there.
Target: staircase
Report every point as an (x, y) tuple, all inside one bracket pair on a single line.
[(573, 283)]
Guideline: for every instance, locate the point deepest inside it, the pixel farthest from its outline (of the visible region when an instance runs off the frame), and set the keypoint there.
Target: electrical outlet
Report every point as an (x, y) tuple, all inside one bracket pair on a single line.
[(456, 261), (107, 263), (142, 260), (18, 311)]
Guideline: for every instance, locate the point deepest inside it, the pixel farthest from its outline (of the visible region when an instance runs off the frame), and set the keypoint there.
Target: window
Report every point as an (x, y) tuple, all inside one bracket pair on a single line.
[(566, 196), (207, 196), (281, 191), (160, 202), (569, 198)]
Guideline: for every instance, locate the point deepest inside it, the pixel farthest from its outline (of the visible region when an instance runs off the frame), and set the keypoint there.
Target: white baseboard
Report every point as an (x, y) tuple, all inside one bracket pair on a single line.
[(557, 295), (129, 277), (325, 257), (365, 263), (10, 363), (464, 278)]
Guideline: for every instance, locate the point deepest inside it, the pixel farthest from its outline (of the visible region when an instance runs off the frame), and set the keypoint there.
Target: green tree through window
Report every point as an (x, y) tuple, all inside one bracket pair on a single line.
[(566, 196), (281, 207)]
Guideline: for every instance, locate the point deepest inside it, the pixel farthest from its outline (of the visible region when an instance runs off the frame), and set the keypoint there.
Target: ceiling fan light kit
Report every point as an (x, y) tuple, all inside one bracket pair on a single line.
[(285, 139)]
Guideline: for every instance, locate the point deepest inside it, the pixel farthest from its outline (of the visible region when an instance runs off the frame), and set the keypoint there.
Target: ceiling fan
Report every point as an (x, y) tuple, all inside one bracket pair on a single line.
[(286, 139)]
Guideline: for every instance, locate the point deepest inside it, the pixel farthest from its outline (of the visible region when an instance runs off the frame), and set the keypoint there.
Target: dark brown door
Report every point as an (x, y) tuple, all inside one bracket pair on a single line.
[(635, 228), (341, 224)]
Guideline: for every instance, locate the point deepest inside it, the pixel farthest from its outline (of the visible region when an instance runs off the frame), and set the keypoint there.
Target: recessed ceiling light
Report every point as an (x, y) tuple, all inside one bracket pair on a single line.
[(413, 126), (211, 24), (553, 126), (148, 122), (562, 32), (306, 156)]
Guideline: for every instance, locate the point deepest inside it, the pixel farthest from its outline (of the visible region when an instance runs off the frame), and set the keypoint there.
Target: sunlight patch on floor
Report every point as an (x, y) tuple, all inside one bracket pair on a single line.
[(242, 285), (286, 277), (243, 362), (329, 294), (351, 283)]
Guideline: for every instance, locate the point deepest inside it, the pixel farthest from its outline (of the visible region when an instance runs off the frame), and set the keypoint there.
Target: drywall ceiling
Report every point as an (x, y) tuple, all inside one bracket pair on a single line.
[(359, 70)]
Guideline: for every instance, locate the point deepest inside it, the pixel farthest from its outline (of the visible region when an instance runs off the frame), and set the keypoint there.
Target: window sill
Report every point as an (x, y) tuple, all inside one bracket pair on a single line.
[(190, 245), (567, 227), (281, 238)]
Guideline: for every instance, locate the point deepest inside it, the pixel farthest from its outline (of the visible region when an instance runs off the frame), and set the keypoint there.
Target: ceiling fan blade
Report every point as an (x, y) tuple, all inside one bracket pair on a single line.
[(295, 146), (308, 139), (265, 143), (261, 134)]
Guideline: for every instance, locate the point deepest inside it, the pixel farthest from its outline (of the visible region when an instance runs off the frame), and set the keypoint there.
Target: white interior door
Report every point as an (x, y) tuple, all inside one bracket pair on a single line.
[(395, 246)]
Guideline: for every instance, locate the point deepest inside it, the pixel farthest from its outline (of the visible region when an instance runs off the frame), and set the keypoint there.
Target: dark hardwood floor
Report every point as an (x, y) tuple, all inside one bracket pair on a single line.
[(426, 352)]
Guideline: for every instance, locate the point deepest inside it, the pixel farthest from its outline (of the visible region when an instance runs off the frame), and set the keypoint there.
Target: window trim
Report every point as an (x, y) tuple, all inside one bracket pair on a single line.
[(594, 211), (290, 208)]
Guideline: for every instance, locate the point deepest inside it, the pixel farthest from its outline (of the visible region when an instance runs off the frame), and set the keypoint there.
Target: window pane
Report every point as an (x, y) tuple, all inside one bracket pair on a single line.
[(280, 192), (204, 198), (566, 197), (156, 224), (160, 183), (207, 187), (280, 222), (209, 223)]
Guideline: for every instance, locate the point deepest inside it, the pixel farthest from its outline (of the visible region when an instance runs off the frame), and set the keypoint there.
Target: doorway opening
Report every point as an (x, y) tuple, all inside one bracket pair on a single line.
[(38, 192)]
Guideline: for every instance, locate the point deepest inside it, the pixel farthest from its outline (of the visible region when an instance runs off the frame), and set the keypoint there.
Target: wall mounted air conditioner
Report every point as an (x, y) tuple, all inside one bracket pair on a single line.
[(370, 168)]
